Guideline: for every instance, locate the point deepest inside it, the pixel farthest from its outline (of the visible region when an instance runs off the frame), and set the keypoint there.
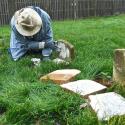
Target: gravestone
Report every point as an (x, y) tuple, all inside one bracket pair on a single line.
[(61, 76), (119, 66), (107, 105), (84, 87), (67, 51)]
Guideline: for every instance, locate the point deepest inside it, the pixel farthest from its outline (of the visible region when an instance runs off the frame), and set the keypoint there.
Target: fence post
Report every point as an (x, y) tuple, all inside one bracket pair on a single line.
[(75, 9), (96, 9), (112, 7), (11, 7)]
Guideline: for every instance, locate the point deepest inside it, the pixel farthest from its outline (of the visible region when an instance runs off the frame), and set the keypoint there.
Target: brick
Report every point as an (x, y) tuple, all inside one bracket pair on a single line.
[(61, 76), (84, 87), (107, 105)]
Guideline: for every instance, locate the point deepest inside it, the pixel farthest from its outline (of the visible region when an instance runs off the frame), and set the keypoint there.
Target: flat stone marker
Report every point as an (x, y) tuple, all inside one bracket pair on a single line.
[(84, 87), (107, 105), (61, 76)]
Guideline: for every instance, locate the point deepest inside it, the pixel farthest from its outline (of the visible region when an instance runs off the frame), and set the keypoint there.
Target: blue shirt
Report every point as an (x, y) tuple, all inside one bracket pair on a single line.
[(17, 40)]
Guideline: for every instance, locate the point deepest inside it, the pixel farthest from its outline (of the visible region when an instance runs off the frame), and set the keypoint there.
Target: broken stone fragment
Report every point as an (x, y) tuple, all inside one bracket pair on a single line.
[(61, 76), (107, 105), (84, 87)]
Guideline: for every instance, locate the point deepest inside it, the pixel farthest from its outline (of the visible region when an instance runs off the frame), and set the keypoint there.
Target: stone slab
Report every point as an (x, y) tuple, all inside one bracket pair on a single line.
[(61, 76), (107, 105), (84, 87)]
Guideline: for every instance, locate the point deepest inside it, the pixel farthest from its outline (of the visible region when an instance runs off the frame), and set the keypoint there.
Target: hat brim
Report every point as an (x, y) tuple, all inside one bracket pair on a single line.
[(35, 30)]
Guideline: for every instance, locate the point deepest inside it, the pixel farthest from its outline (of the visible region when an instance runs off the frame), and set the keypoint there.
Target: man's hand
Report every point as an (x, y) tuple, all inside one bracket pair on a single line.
[(41, 45), (50, 45)]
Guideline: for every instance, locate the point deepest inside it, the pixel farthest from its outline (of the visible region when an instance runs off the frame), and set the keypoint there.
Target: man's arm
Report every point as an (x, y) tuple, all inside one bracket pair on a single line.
[(48, 30), (16, 42), (16, 49), (49, 34)]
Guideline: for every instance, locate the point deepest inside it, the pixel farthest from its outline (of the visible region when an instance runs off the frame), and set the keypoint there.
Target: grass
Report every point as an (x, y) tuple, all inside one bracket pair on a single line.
[(24, 100)]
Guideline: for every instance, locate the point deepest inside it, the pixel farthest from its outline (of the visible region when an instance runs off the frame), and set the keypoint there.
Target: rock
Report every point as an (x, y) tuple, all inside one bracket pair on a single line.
[(84, 105), (36, 61), (84, 87), (60, 61), (107, 105), (61, 76)]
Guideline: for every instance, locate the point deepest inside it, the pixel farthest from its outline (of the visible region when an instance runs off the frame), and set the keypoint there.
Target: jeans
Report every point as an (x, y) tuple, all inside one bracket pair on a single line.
[(46, 53)]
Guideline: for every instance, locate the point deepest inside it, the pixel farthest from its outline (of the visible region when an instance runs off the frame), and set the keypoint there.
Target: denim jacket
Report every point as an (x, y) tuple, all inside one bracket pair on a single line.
[(17, 40)]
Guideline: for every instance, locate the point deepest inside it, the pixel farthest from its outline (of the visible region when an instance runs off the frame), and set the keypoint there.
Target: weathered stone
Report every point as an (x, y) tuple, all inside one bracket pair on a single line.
[(67, 51), (119, 66), (61, 76), (107, 105), (84, 87)]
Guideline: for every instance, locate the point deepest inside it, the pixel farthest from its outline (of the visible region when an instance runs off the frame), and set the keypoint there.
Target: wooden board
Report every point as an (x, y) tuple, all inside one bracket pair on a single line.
[(61, 76), (84, 87), (107, 105)]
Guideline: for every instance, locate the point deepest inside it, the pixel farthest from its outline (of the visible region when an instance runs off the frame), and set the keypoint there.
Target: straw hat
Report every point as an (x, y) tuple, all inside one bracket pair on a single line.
[(27, 22)]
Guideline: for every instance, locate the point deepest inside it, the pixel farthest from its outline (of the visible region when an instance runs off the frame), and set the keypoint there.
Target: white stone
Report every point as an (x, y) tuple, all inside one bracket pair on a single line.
[(36, 61), (60, 61), (72, 72), (84, 87), (107, 105)]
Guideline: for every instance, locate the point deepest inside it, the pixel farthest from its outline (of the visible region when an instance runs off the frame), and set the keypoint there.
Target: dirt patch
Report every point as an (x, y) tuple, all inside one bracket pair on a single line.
[(105, 82)]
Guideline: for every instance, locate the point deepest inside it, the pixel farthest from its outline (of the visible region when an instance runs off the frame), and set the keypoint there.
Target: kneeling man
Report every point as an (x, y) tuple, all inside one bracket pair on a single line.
[(31, 30)]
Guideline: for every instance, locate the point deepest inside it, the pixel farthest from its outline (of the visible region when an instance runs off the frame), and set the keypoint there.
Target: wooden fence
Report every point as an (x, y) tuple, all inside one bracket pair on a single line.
[(63, 9)]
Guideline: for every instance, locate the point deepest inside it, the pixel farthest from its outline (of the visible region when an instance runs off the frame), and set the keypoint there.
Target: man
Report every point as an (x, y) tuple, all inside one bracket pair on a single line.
[(31, 30)]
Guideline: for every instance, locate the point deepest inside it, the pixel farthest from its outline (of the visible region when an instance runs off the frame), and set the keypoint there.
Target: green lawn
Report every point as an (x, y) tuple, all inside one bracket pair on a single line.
[(24, 100)]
